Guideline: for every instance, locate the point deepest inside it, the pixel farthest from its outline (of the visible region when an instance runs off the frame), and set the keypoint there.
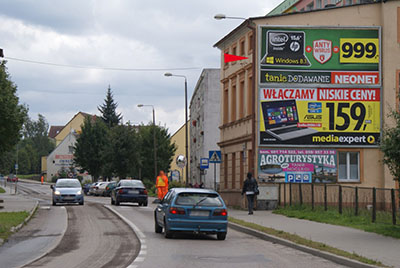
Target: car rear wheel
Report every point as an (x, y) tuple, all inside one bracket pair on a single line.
[(167, 232), (221, 236), (145, 204), (157, 228), (117, 202), (54, 203), (81, 203), (112, 202)]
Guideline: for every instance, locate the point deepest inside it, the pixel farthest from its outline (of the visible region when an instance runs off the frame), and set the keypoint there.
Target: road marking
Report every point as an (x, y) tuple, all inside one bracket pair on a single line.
[(143, 247)]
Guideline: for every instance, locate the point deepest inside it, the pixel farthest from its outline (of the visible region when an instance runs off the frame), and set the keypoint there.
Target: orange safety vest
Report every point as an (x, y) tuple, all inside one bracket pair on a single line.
[(160, 182)]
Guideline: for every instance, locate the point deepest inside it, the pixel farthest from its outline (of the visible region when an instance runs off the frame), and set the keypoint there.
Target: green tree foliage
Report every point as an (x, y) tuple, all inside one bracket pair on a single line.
[(165, 150), (108, 110), (12, 114), (90, 146), (390, 146), (122, 151)]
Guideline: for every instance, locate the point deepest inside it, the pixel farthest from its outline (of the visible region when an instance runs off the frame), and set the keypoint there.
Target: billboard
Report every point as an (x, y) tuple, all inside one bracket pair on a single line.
[(319, 86), (297, 166)]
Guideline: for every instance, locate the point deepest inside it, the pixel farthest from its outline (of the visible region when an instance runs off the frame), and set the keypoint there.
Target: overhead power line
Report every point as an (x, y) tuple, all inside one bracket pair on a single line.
[(104, 68)]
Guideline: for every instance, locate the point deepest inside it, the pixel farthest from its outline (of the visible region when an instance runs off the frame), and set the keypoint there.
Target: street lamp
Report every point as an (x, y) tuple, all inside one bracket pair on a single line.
[(186, 124), (154, 139), (223, 16)]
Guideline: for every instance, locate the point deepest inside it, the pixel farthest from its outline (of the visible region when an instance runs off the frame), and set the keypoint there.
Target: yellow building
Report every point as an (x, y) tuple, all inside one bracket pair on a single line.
[(298, 58), (179, 139), (73, 126)]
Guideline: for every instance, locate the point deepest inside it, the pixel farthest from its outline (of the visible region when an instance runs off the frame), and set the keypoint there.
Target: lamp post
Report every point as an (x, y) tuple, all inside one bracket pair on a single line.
[(223, 16), (154, 139), (186, 125)]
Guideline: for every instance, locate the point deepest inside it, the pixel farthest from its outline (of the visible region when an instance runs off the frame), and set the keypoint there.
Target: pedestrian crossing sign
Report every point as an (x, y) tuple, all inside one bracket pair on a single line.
[(214, 156)]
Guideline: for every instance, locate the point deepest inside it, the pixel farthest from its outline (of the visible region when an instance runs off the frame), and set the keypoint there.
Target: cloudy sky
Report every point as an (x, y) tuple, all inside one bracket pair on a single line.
[(175, 36)]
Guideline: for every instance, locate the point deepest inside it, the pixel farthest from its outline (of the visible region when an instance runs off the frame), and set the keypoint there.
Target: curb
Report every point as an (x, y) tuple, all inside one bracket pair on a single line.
[(325, 255)]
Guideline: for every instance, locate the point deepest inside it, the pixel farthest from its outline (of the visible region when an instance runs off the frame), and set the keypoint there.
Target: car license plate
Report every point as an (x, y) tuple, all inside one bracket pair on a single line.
[(133, 191), (199, 213)]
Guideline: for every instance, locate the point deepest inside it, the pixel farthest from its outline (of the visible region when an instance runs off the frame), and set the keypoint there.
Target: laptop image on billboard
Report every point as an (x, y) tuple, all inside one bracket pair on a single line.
[(281, 118)]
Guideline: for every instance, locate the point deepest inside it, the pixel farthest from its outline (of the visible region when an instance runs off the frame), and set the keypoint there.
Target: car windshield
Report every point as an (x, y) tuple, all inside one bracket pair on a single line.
[(68, 184), (198, 199), (131, 183)]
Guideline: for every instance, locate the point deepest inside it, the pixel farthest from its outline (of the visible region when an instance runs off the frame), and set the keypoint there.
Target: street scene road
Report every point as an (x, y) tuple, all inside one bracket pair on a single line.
[(97, 237)]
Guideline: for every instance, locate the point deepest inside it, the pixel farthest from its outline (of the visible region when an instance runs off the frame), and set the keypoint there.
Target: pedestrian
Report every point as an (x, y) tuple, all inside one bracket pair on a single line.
[(201, 185), (162, 185), (196, 185), (250, 188), (42, 179)]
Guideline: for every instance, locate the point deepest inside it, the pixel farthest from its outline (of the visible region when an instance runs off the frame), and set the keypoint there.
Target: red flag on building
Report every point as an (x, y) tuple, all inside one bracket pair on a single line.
[(229, 58)]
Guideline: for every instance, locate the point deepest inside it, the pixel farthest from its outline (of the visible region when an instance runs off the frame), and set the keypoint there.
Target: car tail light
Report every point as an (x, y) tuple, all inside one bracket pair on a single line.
[(121, 191), (177, 211), (107, 188), (220, 212), (144, 191)]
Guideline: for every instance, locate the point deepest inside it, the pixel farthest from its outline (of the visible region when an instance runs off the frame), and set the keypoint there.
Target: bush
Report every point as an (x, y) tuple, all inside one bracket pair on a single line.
[(176, 184)]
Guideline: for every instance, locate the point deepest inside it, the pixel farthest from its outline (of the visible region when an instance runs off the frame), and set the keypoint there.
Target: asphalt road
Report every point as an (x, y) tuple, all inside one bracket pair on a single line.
[(96, 237)]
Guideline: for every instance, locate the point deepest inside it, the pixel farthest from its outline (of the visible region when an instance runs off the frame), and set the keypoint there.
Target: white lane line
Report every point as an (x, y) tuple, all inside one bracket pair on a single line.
[(143, 247)]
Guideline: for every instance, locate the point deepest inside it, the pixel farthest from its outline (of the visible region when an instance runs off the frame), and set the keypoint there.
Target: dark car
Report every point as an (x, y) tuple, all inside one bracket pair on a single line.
[(86, 188), (109, 188), (67, 191), (132, 191), (191, 210)]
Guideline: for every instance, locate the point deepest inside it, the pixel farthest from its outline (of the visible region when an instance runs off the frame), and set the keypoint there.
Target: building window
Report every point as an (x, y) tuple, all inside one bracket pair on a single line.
[(347, 2), (233, 104), (250, 42), (234, 52), (241, 99), (71, 149), (349, 166), (319, 4), (249, 95), (226, 51), (325, 3), (225, 118), (242, 47), (310, 6)]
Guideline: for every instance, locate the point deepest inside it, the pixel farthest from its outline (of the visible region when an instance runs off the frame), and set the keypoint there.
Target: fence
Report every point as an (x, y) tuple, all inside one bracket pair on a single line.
[(381, 205)]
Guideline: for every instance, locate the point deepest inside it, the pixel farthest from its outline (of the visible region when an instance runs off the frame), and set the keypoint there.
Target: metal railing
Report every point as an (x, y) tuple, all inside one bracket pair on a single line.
[(380, 204)]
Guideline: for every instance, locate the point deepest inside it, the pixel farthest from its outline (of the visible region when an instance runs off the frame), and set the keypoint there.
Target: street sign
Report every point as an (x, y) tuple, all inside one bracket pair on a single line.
[(203, 163), (214, 156)]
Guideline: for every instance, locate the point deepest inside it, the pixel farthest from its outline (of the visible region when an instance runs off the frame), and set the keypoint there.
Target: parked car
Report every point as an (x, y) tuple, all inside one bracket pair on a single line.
[(86, 188), (109, 188), (12, 178), (67, 191), (101, 187), (93, 188), (191, 210), (132, 191)]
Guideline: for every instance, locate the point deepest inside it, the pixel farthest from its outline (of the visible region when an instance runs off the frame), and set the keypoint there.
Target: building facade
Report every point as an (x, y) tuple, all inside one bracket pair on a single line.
[(178, 138), (315, 74), (204, 127)]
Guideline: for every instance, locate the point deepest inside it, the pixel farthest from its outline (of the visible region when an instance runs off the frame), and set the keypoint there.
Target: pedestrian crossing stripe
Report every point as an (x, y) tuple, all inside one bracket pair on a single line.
[(215, 157)]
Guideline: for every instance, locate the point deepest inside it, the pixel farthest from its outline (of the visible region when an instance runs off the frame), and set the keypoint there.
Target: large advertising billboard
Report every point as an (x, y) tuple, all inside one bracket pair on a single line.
[(319, 87), (297, 166)]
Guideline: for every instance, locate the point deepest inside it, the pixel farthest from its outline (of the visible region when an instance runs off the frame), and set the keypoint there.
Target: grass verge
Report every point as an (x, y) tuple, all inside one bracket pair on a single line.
[(383, 224), (306, 242), (9, 220), (2, 191)]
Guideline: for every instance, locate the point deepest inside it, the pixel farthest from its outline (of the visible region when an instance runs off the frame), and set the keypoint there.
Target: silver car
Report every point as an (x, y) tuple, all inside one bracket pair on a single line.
[(67, 191)]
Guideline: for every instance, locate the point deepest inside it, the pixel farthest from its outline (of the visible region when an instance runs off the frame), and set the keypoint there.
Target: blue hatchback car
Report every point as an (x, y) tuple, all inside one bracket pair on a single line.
[(192, 210)]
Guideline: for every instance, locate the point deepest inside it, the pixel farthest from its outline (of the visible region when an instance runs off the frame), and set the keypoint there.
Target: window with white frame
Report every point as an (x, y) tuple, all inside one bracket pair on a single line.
[(349, 166)]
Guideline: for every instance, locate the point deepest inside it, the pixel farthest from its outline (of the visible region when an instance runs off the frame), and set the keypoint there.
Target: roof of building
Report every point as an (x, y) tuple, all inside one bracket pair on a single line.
[(54, 130)]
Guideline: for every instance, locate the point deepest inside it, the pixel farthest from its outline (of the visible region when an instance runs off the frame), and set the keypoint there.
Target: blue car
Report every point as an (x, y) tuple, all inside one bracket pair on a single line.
[(191, 210), (67, 191)]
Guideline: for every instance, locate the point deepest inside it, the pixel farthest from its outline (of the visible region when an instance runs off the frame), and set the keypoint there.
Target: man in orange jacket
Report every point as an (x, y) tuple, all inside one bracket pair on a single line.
[(162, 185)]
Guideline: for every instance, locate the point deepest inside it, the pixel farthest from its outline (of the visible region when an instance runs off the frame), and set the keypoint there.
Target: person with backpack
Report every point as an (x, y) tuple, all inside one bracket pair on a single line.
[(250, 188)]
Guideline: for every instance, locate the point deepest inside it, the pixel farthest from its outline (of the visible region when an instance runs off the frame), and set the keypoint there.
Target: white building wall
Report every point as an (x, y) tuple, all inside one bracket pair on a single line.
[(61, 156), (205, 110)]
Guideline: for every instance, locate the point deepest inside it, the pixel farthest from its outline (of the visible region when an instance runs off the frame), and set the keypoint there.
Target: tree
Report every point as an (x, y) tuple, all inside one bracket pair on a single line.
[(108, 110), (165, 150), (390, 146), (122, 151), (12, 114), (90, 146)]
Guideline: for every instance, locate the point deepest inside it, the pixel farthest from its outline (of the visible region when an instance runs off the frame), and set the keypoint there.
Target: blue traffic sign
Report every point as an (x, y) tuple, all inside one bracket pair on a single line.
[(204, 163), (214, 156)]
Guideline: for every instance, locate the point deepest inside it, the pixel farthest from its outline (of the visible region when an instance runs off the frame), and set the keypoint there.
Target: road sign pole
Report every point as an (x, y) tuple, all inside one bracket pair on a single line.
[(215, 176)]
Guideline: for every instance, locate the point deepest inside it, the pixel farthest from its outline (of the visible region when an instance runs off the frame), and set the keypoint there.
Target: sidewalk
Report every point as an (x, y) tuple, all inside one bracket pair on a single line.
[(15, 202), (369, 245)]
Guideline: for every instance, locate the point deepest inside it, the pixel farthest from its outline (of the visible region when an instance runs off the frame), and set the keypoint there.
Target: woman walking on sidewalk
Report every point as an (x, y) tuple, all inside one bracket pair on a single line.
[(250, 188)]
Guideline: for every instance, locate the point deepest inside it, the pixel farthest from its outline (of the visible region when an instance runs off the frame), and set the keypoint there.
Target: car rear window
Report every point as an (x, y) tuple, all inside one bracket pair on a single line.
[(132, 183), (68, 184), (200, 199)]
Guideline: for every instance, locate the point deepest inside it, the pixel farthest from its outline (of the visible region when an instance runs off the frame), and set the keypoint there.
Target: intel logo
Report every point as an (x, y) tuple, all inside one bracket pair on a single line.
[(278, 39)]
